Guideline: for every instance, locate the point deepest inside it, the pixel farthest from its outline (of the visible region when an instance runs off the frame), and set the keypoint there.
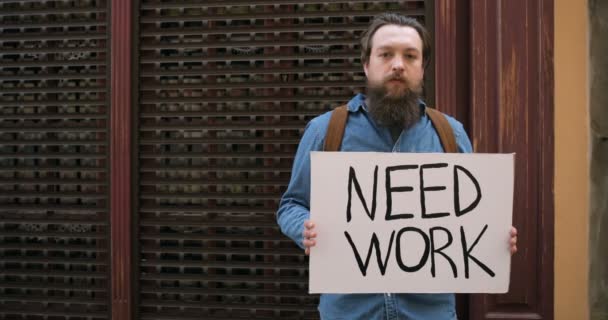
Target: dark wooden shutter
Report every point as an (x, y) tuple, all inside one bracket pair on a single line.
[(53, 166), (226, 88)]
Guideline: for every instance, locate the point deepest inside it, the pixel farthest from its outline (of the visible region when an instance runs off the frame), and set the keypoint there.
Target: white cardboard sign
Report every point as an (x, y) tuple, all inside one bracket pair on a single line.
[(411, 222)]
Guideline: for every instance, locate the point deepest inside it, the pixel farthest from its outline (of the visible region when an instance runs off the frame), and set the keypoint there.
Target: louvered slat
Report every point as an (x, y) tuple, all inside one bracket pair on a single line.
[(225, 91), (54, 224)]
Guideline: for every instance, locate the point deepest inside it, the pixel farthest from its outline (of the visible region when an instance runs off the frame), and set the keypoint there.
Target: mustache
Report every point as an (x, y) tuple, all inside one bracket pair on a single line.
[(395, 77), (409, 84)]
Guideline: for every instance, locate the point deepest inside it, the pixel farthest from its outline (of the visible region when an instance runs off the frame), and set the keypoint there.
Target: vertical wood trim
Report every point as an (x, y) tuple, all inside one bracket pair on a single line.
[(120, 161), (451, 52), (547, 158), (445, 60), (484, 74), (429, 73)]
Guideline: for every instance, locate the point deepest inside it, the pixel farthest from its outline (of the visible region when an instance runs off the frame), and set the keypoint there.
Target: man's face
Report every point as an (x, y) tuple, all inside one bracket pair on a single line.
[(395, 62)]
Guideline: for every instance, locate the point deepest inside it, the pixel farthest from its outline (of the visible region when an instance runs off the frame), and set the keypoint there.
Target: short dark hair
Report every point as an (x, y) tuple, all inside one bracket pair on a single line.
[(389, 18)]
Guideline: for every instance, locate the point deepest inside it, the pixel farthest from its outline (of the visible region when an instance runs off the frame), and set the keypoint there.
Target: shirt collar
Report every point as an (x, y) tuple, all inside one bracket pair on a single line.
[(358, 102)]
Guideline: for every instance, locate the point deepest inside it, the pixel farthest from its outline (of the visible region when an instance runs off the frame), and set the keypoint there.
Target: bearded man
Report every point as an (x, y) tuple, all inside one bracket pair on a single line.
[(395, 51)]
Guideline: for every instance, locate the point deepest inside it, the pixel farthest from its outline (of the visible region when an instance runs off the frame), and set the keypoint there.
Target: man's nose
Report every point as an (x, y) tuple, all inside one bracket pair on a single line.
[(397, 64)]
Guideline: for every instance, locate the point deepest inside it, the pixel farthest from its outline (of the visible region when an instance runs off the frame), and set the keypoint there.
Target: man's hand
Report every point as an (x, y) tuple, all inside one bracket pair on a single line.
[(309, 235), (513, 240)]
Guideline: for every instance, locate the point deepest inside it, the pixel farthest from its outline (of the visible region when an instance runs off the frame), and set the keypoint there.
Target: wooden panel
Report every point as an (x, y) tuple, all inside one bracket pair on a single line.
[(451, 54), (120, 159), (512, 111)]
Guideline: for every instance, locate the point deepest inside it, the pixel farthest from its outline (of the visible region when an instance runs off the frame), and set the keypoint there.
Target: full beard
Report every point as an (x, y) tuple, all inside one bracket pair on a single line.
[(401, 110)]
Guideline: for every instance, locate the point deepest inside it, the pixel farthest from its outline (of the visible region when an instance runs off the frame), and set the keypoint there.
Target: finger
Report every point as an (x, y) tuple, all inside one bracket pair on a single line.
[(309, 234), (513, 240), (309, 243), (309, 224), (513, 249), (307, 251), (513, 231), (306, 234)]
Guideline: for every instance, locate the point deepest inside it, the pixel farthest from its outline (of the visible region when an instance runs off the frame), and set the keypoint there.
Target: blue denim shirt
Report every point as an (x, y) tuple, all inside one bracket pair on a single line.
[(363, 134)]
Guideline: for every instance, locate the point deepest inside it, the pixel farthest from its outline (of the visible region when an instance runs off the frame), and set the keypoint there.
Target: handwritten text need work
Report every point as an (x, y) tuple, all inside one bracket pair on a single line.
[(393, 188)]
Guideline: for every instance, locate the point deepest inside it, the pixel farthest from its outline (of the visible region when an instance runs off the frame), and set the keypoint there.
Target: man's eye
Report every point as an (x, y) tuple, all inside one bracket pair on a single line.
[(385, 55)]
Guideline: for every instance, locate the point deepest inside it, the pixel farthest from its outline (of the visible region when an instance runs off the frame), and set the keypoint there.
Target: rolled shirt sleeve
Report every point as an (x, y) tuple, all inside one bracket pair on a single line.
[(294, 207)]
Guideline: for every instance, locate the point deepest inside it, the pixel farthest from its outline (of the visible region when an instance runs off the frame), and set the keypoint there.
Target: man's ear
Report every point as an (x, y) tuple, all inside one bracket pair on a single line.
[(365, 66)]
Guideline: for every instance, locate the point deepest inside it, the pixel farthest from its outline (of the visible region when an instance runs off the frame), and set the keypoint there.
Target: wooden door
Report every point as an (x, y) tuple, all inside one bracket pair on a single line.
[(494, 72)]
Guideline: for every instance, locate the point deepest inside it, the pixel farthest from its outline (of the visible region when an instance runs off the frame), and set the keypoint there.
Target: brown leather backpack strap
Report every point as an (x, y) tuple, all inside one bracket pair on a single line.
[(444, 130), (335, 129)]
